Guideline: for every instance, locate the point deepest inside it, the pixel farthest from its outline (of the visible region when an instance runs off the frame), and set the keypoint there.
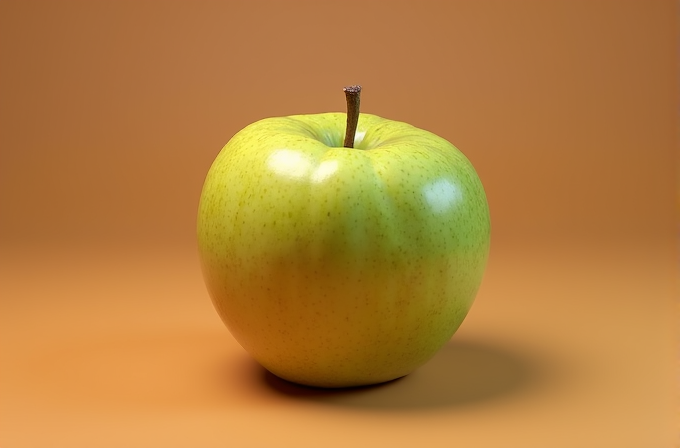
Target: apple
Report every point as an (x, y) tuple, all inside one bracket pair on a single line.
[(336, 262)]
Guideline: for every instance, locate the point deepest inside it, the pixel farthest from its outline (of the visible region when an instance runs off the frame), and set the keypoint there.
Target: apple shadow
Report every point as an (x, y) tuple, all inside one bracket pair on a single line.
[(462, 373)]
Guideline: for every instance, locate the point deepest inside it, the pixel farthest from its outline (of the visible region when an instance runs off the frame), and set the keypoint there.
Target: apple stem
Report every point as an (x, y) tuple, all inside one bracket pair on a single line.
[(352, 93)]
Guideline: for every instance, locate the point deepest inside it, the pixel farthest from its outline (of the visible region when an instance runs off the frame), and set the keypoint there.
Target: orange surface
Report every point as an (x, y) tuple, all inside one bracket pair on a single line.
[(111, 113)]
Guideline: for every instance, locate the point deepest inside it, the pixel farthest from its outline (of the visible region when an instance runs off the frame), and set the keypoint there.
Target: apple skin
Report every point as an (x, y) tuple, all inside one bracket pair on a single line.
[(337, 267)]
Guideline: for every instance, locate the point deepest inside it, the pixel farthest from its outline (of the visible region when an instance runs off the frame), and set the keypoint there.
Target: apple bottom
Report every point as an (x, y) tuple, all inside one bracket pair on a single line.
[(339, 326), (350, 366)]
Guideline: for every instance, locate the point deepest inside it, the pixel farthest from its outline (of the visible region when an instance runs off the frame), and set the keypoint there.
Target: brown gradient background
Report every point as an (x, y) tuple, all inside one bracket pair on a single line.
[(112, 112)]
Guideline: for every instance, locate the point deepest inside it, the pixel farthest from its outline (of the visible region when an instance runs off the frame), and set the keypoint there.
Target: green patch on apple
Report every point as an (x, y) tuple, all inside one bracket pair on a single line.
[(342, 249)]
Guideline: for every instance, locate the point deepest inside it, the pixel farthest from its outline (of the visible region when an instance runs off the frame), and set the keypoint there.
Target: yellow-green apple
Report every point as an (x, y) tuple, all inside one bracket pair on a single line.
[(338, 264)]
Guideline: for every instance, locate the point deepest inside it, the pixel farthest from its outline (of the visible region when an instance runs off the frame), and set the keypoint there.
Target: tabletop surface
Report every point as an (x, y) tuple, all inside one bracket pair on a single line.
[(565, 346)]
